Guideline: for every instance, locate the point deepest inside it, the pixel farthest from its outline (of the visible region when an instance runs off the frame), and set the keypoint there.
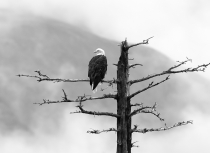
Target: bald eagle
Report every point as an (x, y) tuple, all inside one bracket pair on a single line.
[(97, 68)]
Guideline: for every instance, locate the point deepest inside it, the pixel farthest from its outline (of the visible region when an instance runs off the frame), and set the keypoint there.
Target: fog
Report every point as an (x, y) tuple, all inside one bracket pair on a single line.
[(180, 30)]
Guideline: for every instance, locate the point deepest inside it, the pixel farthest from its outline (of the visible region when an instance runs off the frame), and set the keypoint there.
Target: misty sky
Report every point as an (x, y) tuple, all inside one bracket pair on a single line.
[(181, 28)]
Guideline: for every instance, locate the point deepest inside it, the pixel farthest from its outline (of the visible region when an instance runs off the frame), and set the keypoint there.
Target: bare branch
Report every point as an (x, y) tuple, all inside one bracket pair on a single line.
[(94, 112), (180, 63), (147, 109), (137, 104), (109, 85), (152, 112), (65, 96), (133, 65), (169, 71), (40, 74), (145, 130), (79, 99), (98, 132), (115, 64), (132, 144), (144, 42), (42, 77), (138, 110), (148, 87), (142, 108)]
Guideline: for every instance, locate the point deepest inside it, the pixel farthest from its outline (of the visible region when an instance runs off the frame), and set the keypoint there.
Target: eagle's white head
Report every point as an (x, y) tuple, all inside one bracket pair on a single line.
[(99, 51)]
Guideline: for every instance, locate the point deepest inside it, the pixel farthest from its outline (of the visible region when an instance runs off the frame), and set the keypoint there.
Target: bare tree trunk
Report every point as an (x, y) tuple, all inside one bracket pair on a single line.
[(123, 107), (129, 134)]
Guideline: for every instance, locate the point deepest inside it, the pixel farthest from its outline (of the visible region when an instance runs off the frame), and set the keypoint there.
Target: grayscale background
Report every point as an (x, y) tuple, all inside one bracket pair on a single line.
[(58, 38)]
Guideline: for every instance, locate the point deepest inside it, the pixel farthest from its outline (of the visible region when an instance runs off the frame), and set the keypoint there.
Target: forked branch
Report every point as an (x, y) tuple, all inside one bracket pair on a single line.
[(143, 42), (137, 104), (42, 77), (145, 130), (94, 112), (148, 87), (152, 112), (136, 111), (170, 71), (98, 131), (146, 109), (79, 99)]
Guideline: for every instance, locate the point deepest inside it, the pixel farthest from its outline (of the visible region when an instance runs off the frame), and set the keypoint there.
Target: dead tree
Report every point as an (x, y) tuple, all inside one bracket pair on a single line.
[(124, 114)]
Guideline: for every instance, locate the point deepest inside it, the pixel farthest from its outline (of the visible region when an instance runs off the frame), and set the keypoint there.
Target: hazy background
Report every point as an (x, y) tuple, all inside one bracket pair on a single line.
[(59, 37)]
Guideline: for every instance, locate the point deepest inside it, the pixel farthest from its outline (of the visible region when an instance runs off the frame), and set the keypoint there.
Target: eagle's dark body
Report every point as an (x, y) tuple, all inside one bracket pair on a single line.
[(97, 70)]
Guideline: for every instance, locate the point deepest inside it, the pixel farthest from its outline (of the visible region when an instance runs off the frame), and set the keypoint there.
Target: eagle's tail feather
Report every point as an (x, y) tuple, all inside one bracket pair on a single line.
[(92, 86), (95, 90)]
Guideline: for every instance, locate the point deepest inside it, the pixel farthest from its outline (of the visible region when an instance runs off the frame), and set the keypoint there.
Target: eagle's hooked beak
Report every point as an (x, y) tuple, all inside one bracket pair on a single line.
[(96, 52)]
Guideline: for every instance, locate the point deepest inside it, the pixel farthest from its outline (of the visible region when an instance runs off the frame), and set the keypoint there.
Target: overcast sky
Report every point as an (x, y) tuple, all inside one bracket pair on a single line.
[(180, 28)]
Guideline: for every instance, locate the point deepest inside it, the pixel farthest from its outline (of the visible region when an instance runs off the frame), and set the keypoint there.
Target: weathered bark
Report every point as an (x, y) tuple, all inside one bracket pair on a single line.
[(123, 104), (129, 134)]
